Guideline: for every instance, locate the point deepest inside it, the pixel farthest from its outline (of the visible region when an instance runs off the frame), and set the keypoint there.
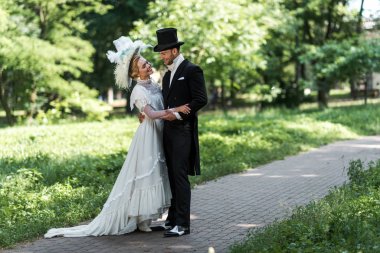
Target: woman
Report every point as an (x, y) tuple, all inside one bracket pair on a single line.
[(141, 192)]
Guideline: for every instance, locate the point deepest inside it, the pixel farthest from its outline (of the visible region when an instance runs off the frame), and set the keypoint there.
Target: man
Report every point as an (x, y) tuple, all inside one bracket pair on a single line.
[(183, 83)]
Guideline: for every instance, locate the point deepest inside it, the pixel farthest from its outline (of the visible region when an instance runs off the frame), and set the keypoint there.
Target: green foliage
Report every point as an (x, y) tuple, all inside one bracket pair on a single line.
[(344, 60), (306, 25), (77, 105), (265, 94), (42, 57), (103, 28), (224, 37), (347, 220), (47, 48)]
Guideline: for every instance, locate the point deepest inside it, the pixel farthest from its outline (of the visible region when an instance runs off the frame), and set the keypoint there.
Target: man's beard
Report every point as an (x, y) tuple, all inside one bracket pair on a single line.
[(171, 60)]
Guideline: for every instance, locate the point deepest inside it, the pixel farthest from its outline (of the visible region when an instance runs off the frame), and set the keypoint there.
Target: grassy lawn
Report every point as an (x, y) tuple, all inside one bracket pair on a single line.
[(346, 220), (59, 175)]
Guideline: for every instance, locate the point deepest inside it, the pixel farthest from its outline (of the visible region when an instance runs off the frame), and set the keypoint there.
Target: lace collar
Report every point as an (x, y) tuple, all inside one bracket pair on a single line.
[(145, 83), (149, 85)]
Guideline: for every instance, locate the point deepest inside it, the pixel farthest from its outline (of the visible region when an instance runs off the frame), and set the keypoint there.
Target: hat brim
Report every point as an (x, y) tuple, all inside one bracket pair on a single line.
[(159, 48)]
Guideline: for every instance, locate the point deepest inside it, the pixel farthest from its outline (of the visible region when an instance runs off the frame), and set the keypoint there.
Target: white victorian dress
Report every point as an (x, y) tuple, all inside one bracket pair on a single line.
[(141, 191)]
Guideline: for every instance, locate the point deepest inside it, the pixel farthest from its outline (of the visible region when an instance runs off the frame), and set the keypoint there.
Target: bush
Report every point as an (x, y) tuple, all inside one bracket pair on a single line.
[(75, 107)]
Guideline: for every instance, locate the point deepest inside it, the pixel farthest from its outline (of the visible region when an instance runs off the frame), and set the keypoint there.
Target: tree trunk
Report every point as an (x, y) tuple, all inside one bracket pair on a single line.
[(8, 112), (322, 99), (232, 90), (352, 88), (298, 64), (297, 67), (294, 92), (323, 93), (359, 23), (43, 21), (4, 101), (366, 89), (32, 110), (223, 96), (329, 29)]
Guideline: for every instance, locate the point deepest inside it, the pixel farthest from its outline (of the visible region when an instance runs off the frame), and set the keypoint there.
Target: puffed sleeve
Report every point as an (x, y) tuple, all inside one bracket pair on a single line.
[(139, 98)]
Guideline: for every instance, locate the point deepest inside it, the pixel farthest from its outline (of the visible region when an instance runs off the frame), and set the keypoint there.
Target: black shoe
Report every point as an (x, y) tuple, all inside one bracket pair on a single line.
[(162, 227), (177, 231)]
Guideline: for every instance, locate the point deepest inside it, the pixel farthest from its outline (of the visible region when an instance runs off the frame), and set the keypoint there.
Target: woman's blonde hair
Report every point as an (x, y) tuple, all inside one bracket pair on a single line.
[(133, 71)]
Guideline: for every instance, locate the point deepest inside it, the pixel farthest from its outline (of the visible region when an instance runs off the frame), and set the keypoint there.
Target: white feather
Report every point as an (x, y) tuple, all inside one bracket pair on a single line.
[(112, 56)]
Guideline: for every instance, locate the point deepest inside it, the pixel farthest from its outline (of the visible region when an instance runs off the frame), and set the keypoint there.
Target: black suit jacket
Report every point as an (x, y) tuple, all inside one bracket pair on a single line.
[(187, 87)]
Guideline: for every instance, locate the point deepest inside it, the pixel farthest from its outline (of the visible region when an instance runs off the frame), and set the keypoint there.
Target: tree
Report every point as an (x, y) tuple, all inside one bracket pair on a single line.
[(344, 60), (281, 52), (103, 29), (326, 21), (42, 56), (307, 24), (224, 37)]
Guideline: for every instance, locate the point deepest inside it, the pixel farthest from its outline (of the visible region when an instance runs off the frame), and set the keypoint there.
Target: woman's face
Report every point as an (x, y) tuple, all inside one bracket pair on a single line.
[(145, 68)]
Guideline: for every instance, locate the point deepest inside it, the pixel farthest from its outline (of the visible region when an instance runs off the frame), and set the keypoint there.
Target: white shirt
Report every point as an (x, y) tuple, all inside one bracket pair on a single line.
[(173, 68)]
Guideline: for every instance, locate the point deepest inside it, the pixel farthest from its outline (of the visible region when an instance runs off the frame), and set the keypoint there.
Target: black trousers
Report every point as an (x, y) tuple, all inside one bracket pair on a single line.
[(178, 136)]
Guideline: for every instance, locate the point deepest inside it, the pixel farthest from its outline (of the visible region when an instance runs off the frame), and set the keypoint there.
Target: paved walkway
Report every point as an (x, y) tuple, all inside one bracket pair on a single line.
[(224, 210)]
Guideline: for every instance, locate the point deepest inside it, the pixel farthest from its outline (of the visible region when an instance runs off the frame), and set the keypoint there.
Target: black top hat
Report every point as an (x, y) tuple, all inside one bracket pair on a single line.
[(167, 39)]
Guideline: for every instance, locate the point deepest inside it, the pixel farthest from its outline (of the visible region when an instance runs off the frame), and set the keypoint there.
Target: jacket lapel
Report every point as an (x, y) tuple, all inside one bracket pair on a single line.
[(165, 84), (177, 73)]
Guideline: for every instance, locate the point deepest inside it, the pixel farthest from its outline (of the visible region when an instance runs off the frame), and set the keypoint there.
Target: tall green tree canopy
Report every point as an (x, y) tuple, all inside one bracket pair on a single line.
[(43, 56), (103, 29), (344, 60), (308, 24), (224, 37)]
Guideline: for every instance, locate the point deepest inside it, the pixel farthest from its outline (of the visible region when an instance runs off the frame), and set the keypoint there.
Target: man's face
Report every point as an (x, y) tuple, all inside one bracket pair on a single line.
[(168, 56)]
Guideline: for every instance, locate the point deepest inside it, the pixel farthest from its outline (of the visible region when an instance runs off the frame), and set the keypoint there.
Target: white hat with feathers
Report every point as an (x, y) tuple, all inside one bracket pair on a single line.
[(126, 48)]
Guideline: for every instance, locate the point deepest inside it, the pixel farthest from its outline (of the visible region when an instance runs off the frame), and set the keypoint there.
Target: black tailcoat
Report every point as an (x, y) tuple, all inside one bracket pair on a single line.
[(187, 87)]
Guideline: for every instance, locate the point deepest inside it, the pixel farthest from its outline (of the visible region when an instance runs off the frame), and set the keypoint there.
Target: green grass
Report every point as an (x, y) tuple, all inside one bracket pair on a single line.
[(59, 175), (363, 119), (346, 220)]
